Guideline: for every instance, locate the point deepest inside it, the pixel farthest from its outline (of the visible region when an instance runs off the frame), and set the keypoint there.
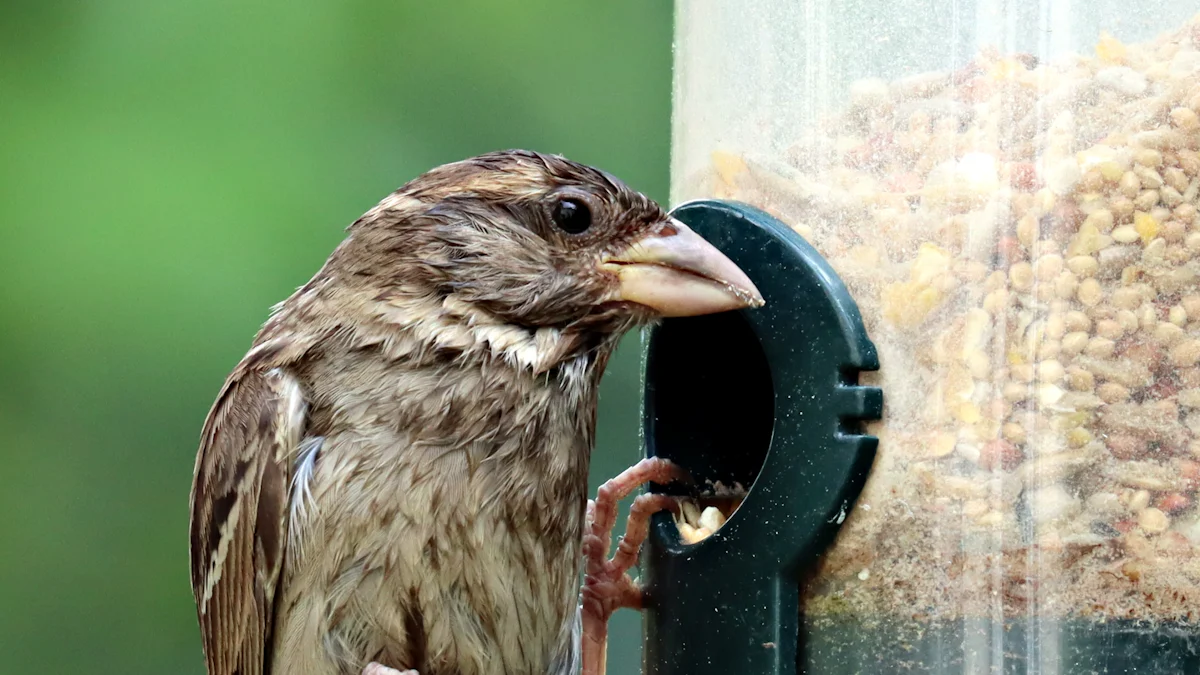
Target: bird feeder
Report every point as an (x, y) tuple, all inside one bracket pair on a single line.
[(1005, 198)]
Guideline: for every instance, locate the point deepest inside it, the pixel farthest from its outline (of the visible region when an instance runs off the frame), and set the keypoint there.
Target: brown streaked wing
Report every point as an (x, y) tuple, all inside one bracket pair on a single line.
[(239, 516)]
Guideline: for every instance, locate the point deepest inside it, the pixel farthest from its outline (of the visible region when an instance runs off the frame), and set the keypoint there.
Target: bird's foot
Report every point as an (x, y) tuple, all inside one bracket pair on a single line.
[(376, 669), (607, 585)]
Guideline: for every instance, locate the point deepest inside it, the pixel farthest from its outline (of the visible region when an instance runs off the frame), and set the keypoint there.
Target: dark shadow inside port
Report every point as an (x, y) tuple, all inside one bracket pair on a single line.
[(710, 403)]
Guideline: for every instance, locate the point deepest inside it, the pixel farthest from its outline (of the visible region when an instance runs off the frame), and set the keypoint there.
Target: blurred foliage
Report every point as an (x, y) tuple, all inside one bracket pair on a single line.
[(170, 170)]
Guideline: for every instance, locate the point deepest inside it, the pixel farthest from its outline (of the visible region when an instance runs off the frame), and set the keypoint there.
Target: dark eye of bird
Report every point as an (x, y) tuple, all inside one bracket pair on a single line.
[(572, 216)]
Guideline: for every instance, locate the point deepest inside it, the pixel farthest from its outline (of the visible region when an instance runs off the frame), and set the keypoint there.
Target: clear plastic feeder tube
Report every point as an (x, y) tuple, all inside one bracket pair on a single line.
[(1010, 190)]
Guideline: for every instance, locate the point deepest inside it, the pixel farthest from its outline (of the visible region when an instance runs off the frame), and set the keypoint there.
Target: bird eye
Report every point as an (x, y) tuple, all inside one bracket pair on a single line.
[(572, 216)]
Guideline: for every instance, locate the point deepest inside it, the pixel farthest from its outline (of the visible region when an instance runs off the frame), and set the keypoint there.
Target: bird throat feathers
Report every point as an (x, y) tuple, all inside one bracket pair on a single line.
[(412, 329)]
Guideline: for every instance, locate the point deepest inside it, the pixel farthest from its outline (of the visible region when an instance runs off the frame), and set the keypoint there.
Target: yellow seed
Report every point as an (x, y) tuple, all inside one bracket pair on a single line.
[(1022, 372), (1176, 178), (1125, 234), (1111, 392), (1185, 354), (1080, 379), (1090, 186), (990, 519), (1056, 326), (1170, 196), (1191, 305), (996, 280), (1078, 321), (1073, 343), (712, 519), (1189, 160), (1065, 285), (930, 264), (1048, 266), (1147, 317), (1130, 185), (1087, 241), (1153, 520), (1168, 334), (1128, 320), (979, 364), (1027, 229), (1139, 500), (1089, 292), (971, 270), (1111, 171), (1101, 219), (1020, 276), (907, 304), (995, 302), (1193, 242), (1079, 437), (940, 445), (1126, 298), (1013, 432), (968, 413), (1049, 394), (1110, 50), (1083, 265), (1109, 328), (1050, 371), (1100, 348), (1174, 231), (1015, 391), (973, 508), (1148, 157), (1178, 315), (1122, 208), (729, 166), (1185, 118), (1151, 179), (1147, 200)]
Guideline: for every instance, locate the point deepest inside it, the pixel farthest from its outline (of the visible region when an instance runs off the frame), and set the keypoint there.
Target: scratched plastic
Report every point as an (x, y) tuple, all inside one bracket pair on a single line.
[(1010, 191)]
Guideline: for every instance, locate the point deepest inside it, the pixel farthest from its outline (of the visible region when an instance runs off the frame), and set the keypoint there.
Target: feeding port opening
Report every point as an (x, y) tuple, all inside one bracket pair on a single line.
[(710, 399)]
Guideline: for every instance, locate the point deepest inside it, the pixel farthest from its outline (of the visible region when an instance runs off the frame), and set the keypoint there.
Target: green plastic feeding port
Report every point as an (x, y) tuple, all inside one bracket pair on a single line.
[(767, 399)]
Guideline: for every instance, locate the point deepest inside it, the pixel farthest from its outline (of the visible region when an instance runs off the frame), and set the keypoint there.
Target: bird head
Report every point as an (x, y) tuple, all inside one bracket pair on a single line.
[(547, 245)]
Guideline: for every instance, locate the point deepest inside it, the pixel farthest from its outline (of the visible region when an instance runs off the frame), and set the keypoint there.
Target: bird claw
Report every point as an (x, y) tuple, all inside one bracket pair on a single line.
[(376, 669), (607, 585)]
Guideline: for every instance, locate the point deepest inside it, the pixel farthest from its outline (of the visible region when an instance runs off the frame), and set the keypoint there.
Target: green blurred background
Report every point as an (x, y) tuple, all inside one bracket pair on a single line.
[(169, 170)]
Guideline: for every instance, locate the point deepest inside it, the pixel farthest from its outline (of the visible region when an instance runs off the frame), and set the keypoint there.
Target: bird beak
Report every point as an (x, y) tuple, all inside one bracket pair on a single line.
[(676, 273)]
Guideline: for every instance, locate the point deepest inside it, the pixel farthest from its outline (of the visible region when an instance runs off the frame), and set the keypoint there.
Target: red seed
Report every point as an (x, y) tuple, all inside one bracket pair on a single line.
[(1172, 502), (1189, 471), (974, 90), (858, 157), (966, 73), (1125, 447), (903, 182), (1163, 387), (1009, 249), (1142, 351), (1024, 176), (1124, 526), (1173, 543), (1000, 453)]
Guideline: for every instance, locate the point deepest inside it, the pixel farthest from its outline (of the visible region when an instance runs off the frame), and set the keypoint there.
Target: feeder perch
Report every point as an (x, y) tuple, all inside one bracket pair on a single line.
[(777, 408)]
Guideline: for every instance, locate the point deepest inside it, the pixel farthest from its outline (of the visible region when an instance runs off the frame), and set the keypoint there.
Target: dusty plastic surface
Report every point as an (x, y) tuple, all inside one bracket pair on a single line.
[(1010, 193), (721, 395)]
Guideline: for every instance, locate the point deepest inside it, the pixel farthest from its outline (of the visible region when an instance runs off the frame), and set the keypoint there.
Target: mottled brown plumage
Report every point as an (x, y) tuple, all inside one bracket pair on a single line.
[(396, 472)]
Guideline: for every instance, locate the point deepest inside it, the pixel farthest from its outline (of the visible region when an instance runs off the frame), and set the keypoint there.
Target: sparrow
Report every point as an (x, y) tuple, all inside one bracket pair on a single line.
[(394, 477)]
